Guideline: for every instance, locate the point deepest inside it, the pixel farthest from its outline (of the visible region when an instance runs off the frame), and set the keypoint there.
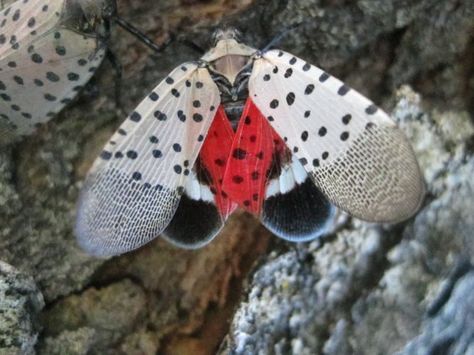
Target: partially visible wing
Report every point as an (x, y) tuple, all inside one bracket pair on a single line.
[(32, 93), (42, 65), (204, 207), (134, 188), (352, 151), (27, 19)]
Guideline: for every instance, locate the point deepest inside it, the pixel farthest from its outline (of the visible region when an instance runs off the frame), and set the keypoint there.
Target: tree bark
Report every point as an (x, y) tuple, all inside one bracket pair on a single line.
[(362, 289)]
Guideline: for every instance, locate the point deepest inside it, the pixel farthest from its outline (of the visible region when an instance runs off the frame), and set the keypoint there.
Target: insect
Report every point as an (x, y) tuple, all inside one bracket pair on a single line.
[(263, 130), (48, 50)]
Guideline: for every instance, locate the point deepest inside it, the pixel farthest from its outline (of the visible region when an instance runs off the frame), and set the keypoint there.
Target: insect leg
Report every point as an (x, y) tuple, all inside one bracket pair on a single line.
[(115, 62), (140, 35)]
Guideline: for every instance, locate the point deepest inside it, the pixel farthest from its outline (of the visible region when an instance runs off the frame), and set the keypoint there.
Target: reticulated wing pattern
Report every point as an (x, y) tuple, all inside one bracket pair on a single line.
[(352, 150), (42, 65), (134, 187)]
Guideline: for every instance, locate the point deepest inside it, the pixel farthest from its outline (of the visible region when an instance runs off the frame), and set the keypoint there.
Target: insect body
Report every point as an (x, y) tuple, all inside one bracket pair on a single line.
[(302, 141), (48, 50)]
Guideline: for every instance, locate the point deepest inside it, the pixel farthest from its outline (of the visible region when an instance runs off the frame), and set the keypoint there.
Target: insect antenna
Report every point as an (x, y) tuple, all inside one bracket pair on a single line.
[(275, 40), (117, 66), (112, 58), (152, 45), (140, 35)]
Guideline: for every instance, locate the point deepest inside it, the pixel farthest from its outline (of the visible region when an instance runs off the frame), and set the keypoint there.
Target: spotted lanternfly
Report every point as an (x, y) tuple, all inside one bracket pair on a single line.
[(48, 50), (264, 131)]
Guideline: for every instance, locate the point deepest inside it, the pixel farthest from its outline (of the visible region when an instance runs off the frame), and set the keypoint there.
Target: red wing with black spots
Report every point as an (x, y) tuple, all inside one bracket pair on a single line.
[(205, 206), (213, 160), (250, 160), (264, 178)]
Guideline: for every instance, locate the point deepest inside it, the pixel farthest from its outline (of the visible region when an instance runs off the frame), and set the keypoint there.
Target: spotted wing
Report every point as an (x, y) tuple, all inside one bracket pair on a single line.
[(42, 65), (27, 16), (134, 188), (352, 151)]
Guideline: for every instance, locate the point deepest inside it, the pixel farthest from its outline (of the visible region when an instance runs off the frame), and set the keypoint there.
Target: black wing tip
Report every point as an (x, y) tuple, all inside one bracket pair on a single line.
[(300, 215), (189, 246), (304, 236), (195, 224)]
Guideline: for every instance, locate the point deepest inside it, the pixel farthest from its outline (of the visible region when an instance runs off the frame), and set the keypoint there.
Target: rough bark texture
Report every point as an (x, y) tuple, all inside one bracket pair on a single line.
[(363, 289)]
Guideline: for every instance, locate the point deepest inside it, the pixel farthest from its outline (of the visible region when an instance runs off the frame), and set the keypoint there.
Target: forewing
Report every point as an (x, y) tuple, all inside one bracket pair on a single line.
[(42, 66), (352, 150), (134, 187)]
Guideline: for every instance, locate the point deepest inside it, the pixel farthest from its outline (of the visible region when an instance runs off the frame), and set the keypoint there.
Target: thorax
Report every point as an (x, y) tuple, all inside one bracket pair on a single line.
[(230, 65)]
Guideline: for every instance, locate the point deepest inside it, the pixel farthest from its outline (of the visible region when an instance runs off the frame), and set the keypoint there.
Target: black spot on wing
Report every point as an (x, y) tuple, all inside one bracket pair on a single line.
[(298, 215), (194, 224)]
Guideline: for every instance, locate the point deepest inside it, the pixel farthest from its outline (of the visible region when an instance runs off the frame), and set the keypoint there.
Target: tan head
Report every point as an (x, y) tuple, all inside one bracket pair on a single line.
[(228, 56), (222, 34)]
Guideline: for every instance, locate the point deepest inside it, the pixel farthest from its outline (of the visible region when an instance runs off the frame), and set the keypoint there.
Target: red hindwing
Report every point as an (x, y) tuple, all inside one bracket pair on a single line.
[(252, 157), (214, 155)]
